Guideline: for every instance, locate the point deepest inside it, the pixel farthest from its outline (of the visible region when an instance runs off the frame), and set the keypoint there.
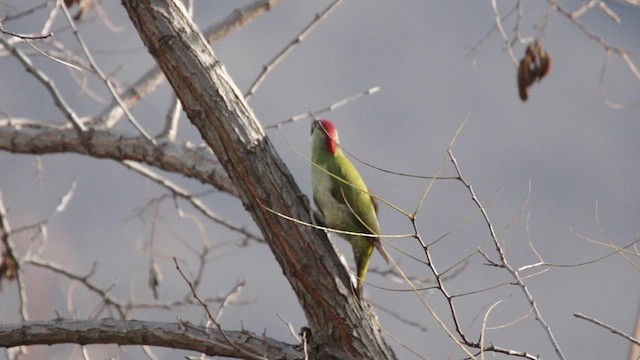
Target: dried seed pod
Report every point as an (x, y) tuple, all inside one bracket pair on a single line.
[(544, 61), (8, 266), (535, 65), (526, 73)]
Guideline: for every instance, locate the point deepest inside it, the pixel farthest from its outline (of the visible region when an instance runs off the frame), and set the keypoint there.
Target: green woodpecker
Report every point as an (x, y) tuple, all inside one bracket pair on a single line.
[(342, 197)]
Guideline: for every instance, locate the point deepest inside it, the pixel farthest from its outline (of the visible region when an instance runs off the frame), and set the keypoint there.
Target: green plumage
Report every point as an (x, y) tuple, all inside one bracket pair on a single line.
[(342, 197)]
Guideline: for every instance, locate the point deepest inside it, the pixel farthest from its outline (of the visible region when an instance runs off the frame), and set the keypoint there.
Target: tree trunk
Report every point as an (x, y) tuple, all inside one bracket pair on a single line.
[(341, 326)]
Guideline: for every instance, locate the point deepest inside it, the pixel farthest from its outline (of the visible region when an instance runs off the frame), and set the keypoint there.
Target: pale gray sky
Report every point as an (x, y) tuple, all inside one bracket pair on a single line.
[(571, 149)]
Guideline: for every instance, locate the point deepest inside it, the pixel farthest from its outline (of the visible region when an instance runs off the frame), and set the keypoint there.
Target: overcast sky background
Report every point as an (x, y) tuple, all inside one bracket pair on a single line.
[(578, 156)]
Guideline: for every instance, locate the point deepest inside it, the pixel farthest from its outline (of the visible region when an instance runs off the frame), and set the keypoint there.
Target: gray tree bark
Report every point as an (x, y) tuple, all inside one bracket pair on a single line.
[(341, 326)]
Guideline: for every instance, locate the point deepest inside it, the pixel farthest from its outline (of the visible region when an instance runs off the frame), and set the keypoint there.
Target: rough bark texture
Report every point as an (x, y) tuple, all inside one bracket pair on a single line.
[(170, 156), (341, 328), (130, 332)]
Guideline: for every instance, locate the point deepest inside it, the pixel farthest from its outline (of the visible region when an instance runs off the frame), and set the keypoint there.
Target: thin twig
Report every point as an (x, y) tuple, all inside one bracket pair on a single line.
[(101, 75), (283, 53), (503, 260), (52, 57), (330, 108), (484, 327), (176, 190), (401, 318), (290, 327), (463, 340), (211, 318), (230, 297), (49, 85), (499, 26), (172, 117), (25, 37), (493, 28), (574, 18), (29, 11), (103, 294), (608, 327), (150, 81)]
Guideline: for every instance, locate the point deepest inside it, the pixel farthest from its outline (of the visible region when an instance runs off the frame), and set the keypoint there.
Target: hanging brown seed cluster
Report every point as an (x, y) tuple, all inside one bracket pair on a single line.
[(535, 65), (8, 266)]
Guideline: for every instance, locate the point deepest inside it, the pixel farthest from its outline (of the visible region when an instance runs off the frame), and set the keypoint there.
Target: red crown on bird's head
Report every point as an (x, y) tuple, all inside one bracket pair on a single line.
[(332, 134)]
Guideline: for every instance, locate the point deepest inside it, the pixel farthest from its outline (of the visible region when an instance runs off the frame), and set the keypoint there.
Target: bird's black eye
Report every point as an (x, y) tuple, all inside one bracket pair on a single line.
[(314, 124)]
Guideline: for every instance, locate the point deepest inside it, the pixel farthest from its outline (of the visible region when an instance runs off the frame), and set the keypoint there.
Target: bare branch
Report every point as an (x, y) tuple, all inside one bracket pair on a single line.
[(503, 33), (154, 76), (24, 37), (245, 354), (287, 49), (101, 75), (197, 203), (229, 298), (634, 351), (59, 101), (503, 260), (238, 19), (574, 18), (194, 163), (608, 327), (216, 107), (332, 107), (131, 332), (29, 11)]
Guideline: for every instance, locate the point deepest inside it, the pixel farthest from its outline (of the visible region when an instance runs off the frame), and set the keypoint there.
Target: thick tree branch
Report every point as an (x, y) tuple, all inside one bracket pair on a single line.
[(340, 325), (199, 164), (131, 332)]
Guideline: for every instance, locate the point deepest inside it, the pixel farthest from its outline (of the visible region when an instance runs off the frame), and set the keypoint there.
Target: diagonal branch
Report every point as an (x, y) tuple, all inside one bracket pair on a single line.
[(51, 87), (608, 327), (235, 21), (340, 325), (287, 49)]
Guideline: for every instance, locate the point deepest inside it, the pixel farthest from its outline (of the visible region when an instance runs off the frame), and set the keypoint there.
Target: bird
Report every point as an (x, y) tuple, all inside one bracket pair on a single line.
[(343, 198)]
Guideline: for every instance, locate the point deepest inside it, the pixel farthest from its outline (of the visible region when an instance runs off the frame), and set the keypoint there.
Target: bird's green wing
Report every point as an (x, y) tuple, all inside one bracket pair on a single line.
[(354, 193)]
